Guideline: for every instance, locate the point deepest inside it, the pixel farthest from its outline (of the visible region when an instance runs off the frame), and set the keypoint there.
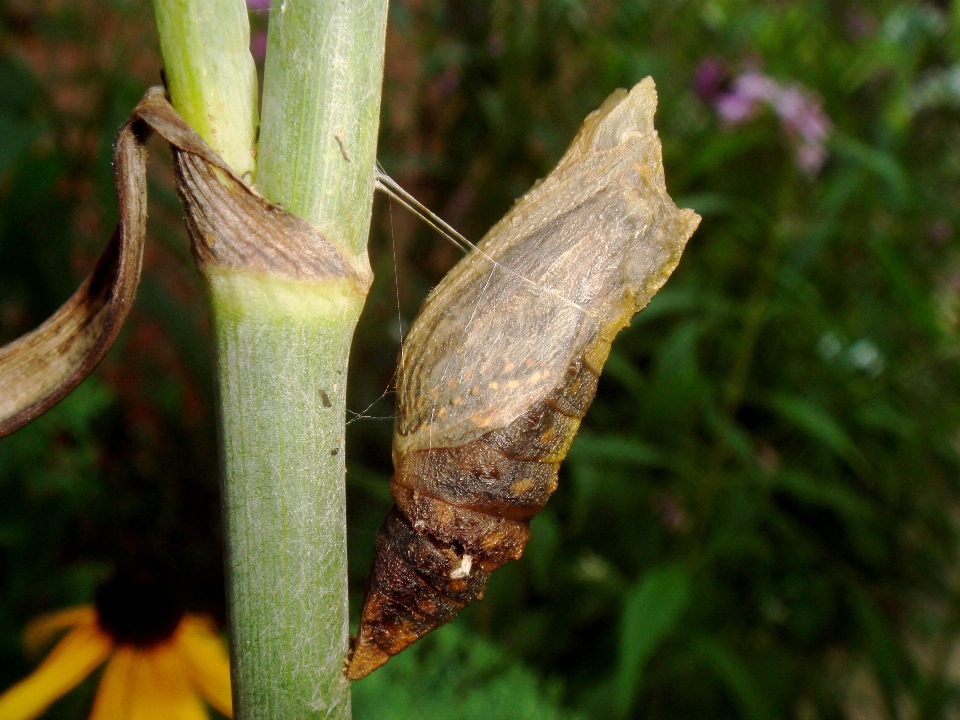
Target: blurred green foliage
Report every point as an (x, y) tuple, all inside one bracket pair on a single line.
[(453, 673), (759, 516)]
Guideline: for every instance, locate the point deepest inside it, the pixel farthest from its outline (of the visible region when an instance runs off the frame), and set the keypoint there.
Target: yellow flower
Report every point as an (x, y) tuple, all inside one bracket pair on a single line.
[(156, 670)]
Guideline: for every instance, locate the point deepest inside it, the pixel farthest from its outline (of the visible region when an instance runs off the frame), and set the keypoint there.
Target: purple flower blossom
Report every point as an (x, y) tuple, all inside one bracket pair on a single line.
[(805, 122), (711, 80), (258, 45), (811, 157), (801, 115), (860, 23), (757, 86), (745, 98)]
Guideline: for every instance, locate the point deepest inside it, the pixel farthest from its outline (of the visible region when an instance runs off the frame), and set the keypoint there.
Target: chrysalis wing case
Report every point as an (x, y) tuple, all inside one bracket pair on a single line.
[(502, 363)]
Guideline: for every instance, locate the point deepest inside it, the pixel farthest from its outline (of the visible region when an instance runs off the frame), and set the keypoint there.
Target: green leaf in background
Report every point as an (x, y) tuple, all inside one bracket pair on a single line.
[(877, 162), (652, 609), (453, 674), (834, 496), (739, 680), (588, 447), (820, 425), (590, 458)]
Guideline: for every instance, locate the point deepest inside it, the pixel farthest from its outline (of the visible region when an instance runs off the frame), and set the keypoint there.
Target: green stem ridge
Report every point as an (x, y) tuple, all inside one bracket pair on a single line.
[(210, 74)]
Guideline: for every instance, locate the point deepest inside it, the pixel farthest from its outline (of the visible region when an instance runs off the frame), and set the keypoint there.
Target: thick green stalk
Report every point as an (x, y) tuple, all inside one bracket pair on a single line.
[(210, 73), (283, 350)]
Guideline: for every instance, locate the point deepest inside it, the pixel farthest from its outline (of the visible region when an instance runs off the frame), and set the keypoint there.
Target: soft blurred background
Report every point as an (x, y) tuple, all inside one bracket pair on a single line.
[(759, 518)]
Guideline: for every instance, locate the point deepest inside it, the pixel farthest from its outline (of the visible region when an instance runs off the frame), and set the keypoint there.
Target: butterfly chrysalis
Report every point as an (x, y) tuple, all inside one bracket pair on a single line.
[(502, 363)]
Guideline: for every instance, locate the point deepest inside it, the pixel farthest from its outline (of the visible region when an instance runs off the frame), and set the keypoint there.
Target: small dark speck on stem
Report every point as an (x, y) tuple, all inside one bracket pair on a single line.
[(343, 148), (325, 398), (334, 451)]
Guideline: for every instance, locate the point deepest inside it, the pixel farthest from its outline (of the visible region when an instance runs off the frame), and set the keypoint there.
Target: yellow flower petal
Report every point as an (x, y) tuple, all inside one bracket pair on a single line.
[(42, 629), (159, 688), (71, 660), (206, 661), (113, 696)]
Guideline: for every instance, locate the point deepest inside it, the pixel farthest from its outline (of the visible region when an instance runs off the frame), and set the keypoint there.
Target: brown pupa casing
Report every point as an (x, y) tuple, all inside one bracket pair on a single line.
[(502, 363)]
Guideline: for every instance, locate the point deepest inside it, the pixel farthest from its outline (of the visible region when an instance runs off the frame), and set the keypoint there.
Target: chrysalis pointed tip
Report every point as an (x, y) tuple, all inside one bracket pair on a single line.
[(364, 659)]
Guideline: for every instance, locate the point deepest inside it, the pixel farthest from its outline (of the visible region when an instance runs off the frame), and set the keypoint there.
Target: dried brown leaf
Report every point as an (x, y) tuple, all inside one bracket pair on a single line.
[(231, 226)]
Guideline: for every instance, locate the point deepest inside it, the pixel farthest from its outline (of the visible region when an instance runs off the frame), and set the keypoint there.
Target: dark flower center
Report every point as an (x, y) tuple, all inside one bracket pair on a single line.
[(137, 611)]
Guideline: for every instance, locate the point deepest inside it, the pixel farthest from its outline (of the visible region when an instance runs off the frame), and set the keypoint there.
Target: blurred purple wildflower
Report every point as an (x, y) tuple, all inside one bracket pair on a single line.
[(712, 79), (258, 5), (258, 45), (747, 93), (860, 23), (801, 115), (805, 122)]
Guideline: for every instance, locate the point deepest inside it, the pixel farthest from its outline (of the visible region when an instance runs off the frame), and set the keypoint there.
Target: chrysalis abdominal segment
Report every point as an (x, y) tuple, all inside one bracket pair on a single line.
[(502, 363)]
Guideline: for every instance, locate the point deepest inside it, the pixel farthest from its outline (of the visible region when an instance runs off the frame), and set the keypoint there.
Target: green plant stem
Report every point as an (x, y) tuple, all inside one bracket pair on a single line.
[(283, 346), (321, 107), (283, 350), (210, 73)]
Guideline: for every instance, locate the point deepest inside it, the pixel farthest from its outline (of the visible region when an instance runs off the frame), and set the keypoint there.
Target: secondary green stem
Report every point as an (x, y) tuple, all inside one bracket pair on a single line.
[(210, 73), (321, 108)]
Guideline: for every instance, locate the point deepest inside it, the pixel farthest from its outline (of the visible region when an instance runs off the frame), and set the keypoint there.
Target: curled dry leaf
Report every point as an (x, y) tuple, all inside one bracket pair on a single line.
[(38, 369), (502, 363), (231, 226)]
